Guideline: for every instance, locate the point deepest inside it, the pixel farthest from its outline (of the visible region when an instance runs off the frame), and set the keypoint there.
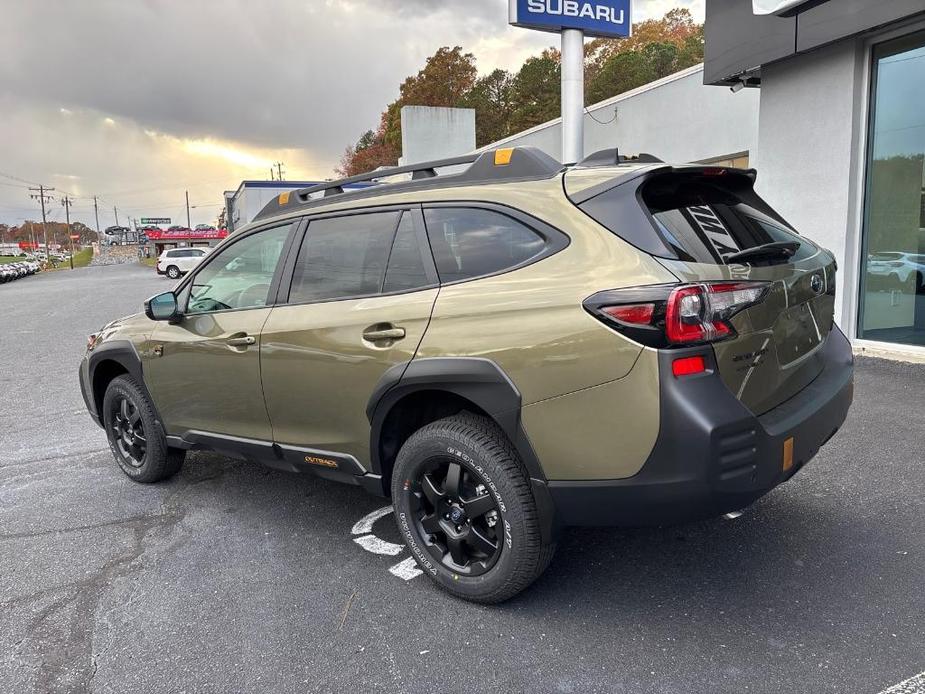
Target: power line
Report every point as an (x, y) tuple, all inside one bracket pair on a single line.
[(602, 122)]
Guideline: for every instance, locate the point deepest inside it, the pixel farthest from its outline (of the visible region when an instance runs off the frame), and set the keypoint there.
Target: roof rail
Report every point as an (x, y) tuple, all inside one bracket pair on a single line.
[(518, 163), (418, 171), (612, 157)]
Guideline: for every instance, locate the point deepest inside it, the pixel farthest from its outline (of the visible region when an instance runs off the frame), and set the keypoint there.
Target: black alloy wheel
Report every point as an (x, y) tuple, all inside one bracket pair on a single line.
[(128, 432), (457, 517)]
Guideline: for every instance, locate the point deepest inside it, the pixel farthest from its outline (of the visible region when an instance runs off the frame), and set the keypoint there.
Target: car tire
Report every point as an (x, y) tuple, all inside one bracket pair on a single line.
[(134, 434), (173, 272), (466, 458)]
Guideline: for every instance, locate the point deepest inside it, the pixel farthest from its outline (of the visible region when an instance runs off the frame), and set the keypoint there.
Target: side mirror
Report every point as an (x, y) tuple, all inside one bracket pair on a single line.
[(162, 307)]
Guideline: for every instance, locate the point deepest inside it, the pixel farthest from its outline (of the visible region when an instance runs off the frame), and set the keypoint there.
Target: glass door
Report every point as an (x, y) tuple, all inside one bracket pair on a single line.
[(892, 300)]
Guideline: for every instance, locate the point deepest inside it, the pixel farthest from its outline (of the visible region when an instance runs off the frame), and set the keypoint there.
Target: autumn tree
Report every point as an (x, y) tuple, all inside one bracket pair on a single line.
[(537, 91), (445, 80), (369, 153), (492, 97), (657, 48), (507, 103)]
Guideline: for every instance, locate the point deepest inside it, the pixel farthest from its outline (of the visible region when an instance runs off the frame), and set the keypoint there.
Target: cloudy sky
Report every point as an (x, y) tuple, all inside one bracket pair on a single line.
[(137, 101)]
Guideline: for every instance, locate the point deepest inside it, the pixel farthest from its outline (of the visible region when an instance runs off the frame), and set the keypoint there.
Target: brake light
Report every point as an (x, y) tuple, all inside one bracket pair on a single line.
[(668, 315), (700, 312)]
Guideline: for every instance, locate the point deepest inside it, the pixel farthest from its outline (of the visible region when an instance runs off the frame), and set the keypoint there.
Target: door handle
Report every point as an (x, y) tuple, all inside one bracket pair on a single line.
[(242, 341), (384, 334)]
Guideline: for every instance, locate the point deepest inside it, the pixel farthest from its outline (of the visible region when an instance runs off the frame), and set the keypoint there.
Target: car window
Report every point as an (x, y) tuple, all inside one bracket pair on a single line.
[(239, 275), (406, 269), (469, 242), (343, 257), (704, 219)]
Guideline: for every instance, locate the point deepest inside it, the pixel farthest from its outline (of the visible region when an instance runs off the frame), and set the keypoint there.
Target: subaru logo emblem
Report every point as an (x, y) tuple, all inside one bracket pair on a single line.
[(816, 283)]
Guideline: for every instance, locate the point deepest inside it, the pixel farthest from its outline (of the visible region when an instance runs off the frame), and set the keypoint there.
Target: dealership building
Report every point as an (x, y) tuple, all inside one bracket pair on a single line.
[(826, 99)]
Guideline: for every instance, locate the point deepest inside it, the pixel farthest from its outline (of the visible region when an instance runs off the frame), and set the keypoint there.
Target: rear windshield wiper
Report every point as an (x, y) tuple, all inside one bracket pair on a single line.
[(777, 249)]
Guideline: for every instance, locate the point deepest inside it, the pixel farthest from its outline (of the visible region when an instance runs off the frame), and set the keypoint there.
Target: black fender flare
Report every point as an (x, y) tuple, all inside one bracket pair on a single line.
[(125, 354), (478, 380), (122, 352)]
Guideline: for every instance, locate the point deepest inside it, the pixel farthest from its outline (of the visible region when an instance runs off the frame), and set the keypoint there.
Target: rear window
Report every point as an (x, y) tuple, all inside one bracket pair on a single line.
[(469, 242), (705, 219)]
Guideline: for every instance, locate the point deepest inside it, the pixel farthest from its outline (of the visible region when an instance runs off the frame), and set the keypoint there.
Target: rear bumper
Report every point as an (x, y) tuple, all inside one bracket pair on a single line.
[(712, 455)]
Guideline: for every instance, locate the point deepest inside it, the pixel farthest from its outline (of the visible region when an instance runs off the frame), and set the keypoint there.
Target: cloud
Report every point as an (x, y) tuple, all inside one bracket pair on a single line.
[(120, 93)]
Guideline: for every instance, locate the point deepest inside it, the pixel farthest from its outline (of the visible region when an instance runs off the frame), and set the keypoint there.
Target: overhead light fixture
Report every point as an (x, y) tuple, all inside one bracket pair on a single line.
[(738, 86)]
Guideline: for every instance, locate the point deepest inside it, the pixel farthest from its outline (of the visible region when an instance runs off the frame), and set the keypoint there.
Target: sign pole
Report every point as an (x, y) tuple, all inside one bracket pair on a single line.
[(573, 95)]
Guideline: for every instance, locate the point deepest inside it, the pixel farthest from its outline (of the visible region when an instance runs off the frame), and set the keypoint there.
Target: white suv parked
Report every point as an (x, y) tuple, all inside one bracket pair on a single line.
[(178, 261)]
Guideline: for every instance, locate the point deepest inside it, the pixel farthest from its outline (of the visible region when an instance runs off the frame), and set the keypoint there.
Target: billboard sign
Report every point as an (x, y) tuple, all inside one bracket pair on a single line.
[(602, 18), (155, 220), (185, 234)]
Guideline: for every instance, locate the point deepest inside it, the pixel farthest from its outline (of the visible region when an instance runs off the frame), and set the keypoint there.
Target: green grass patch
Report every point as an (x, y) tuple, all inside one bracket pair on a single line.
[(4, 259), (82, 258), (150, 262)]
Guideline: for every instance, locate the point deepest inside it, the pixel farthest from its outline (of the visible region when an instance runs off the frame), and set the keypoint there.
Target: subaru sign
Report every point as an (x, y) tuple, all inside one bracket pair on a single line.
[(604, 18)]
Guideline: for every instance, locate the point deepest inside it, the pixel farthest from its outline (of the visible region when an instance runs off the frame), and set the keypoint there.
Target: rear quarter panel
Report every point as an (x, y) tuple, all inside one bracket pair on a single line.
[(530, 321)]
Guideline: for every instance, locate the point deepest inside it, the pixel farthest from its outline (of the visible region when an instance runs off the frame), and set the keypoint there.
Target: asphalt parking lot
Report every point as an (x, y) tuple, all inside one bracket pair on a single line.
[(235, 578)]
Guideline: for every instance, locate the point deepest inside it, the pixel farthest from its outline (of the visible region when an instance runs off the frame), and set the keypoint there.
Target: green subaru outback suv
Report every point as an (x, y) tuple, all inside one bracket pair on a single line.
[(503, 350)]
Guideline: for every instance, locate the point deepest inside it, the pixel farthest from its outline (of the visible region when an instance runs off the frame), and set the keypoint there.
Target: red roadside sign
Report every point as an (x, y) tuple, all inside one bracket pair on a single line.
[(75, 237)]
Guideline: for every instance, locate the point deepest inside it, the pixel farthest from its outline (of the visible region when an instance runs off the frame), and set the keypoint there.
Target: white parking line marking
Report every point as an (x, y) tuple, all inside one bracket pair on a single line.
[(913, 685), (377, 545), (365, 524), (406, 569)]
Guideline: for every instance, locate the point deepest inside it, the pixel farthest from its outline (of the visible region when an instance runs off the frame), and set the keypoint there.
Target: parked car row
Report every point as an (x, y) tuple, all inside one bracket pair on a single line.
[(15, 271)]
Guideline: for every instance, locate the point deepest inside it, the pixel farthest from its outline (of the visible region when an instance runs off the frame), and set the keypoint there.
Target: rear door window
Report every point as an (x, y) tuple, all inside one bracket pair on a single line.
[(472, 242), (407, 270), (343, 257)]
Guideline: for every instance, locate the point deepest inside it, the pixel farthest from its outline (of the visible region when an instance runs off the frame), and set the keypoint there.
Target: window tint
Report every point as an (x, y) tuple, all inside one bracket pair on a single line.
[(704, 221), (406, 262), (471, 242), (239, 275), (343, 257)]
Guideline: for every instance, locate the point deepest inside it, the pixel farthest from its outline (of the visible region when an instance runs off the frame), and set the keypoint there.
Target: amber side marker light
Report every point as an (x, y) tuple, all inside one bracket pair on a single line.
[(503, 156), (788, 454), (688, 366), (284, 198)]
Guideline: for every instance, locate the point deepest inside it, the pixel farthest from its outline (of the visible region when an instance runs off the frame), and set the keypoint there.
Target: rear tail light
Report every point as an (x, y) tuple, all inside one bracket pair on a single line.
[(672, 315)]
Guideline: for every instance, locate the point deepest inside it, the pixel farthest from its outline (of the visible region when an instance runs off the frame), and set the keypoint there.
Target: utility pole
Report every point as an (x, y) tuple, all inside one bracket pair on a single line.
[(271, 174), (279, 171), (115, 211), (188, 226), (67, 202), (42, 197), (96, 214)]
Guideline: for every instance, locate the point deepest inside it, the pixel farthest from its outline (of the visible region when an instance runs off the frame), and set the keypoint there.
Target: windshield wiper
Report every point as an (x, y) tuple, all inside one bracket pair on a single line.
[(776, 249)]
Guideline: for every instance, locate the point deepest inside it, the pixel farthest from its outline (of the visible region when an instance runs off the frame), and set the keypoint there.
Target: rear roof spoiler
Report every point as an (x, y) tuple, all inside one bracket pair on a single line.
[(633, 174)]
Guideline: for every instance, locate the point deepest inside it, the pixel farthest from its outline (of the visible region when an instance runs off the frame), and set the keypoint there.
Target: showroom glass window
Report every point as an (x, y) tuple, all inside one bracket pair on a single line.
[(892, 306)]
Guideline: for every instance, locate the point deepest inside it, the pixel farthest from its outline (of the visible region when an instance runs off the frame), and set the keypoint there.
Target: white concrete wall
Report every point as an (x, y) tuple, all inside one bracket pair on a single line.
[(429, 133), (809, 151), (677, 119)]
